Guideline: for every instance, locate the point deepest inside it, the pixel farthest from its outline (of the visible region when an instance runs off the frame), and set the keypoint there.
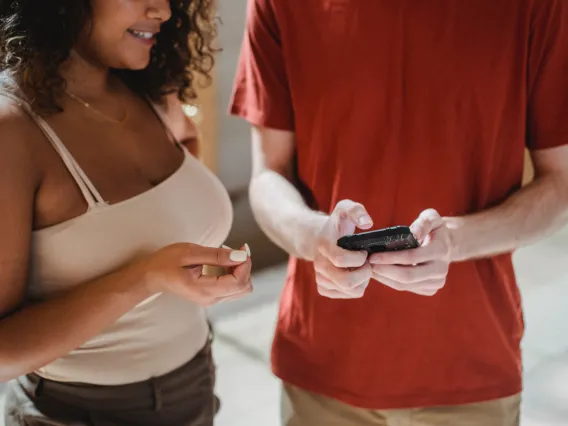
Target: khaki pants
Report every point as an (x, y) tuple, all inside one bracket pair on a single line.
[(302, 408)]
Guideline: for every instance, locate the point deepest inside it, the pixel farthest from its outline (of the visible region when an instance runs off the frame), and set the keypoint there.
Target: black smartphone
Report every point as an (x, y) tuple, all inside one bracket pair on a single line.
[(381, 240)]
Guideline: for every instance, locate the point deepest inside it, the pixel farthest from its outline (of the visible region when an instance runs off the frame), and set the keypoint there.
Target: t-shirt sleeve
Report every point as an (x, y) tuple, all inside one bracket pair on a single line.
[(547, 113), (261, 93)]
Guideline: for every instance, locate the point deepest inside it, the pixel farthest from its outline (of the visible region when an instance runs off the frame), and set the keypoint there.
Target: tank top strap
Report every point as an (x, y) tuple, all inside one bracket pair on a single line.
[(88, 189)]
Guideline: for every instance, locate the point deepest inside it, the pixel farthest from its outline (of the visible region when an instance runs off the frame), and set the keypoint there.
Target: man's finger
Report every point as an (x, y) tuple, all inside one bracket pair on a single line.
[(412, 274), (389, 283), (347, 216), (325, 282), (333, 294), (337, 294), (354, 291), (426, 222), (425, 288), (344, 278), (415, 256), (342, 258)]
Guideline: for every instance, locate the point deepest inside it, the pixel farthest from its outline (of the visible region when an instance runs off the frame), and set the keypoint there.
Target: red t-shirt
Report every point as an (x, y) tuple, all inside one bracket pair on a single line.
[(402, 106)]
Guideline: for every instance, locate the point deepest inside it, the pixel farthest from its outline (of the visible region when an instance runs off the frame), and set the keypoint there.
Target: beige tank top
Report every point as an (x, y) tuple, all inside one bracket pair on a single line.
[(161, 333)]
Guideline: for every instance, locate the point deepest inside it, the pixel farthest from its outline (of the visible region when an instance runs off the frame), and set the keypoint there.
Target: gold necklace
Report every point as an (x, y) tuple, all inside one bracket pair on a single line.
[(88, 106)]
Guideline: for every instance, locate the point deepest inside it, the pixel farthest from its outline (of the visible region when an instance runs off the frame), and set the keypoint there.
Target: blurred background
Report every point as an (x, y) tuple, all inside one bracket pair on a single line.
[(250, 394)]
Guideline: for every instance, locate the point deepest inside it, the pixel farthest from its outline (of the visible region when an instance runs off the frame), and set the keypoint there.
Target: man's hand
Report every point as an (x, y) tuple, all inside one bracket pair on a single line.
[(342, 274), (422, 270)]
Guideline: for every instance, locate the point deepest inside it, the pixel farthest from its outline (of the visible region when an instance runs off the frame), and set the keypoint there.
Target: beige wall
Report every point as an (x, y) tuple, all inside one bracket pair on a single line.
[(204, 113)]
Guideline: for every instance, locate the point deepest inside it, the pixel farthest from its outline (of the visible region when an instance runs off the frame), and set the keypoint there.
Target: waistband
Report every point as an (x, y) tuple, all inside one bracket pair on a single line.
[(153, 394)]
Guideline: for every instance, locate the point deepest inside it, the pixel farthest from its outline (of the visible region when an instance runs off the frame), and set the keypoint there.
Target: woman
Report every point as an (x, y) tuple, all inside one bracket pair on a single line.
[(107, 218)]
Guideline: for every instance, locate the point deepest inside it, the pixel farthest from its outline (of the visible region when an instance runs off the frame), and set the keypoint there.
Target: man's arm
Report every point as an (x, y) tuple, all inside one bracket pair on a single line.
[(536, 211), (284, 216), (277, 204), (541, 207), (262, 96)]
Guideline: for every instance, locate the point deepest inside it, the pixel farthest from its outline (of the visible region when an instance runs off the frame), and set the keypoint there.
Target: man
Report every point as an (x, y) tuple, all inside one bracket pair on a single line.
[(420, 113)]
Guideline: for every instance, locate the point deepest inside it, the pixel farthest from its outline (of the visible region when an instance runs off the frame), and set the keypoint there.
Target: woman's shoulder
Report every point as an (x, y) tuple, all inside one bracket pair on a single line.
[(18, 133), (15, 122), (182, 127), (172, 107)]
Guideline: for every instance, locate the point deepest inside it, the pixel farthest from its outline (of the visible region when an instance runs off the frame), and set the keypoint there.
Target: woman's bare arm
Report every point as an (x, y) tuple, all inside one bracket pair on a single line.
[(35, 335), (19, 180)]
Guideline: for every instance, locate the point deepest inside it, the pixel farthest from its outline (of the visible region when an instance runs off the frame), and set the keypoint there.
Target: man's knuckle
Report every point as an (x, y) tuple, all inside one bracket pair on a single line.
[(353, 281), (361, 260), (406, 275), (321, 244), (348, 278), (355, 208), (337, 260), (432, 213), (411, 257), (441, 270), (319, 265), (397, 286), (360, 290), (359, 293), (344, 204)]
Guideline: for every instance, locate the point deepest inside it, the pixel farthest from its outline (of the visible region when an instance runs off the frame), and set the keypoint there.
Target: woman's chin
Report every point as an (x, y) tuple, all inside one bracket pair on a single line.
[(138, 65), (134, 64)]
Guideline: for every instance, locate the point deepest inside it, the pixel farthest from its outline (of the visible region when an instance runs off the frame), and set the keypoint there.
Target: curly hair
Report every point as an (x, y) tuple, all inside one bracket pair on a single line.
[(36, 37)]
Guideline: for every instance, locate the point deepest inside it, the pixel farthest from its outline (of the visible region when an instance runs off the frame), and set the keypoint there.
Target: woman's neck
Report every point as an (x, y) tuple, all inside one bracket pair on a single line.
[(84, 78)]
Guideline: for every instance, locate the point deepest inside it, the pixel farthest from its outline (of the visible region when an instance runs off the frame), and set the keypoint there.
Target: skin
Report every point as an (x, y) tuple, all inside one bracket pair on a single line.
[(123, 160), (532, 213)]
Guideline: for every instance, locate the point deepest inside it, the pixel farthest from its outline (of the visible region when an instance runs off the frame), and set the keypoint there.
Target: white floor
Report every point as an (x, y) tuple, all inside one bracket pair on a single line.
[(250, 393)]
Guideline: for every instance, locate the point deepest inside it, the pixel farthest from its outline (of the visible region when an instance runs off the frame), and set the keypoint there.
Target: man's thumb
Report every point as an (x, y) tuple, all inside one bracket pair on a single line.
[(351, 215), (427, 221)]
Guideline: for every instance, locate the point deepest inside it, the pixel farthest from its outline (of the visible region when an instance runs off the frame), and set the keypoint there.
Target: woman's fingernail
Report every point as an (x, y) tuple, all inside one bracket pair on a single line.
[(226, 247), (238, 256), (247, 248), (365, 221)]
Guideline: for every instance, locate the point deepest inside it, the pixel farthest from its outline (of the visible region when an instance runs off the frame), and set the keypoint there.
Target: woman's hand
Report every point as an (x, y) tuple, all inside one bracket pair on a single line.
[(178, 269)]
